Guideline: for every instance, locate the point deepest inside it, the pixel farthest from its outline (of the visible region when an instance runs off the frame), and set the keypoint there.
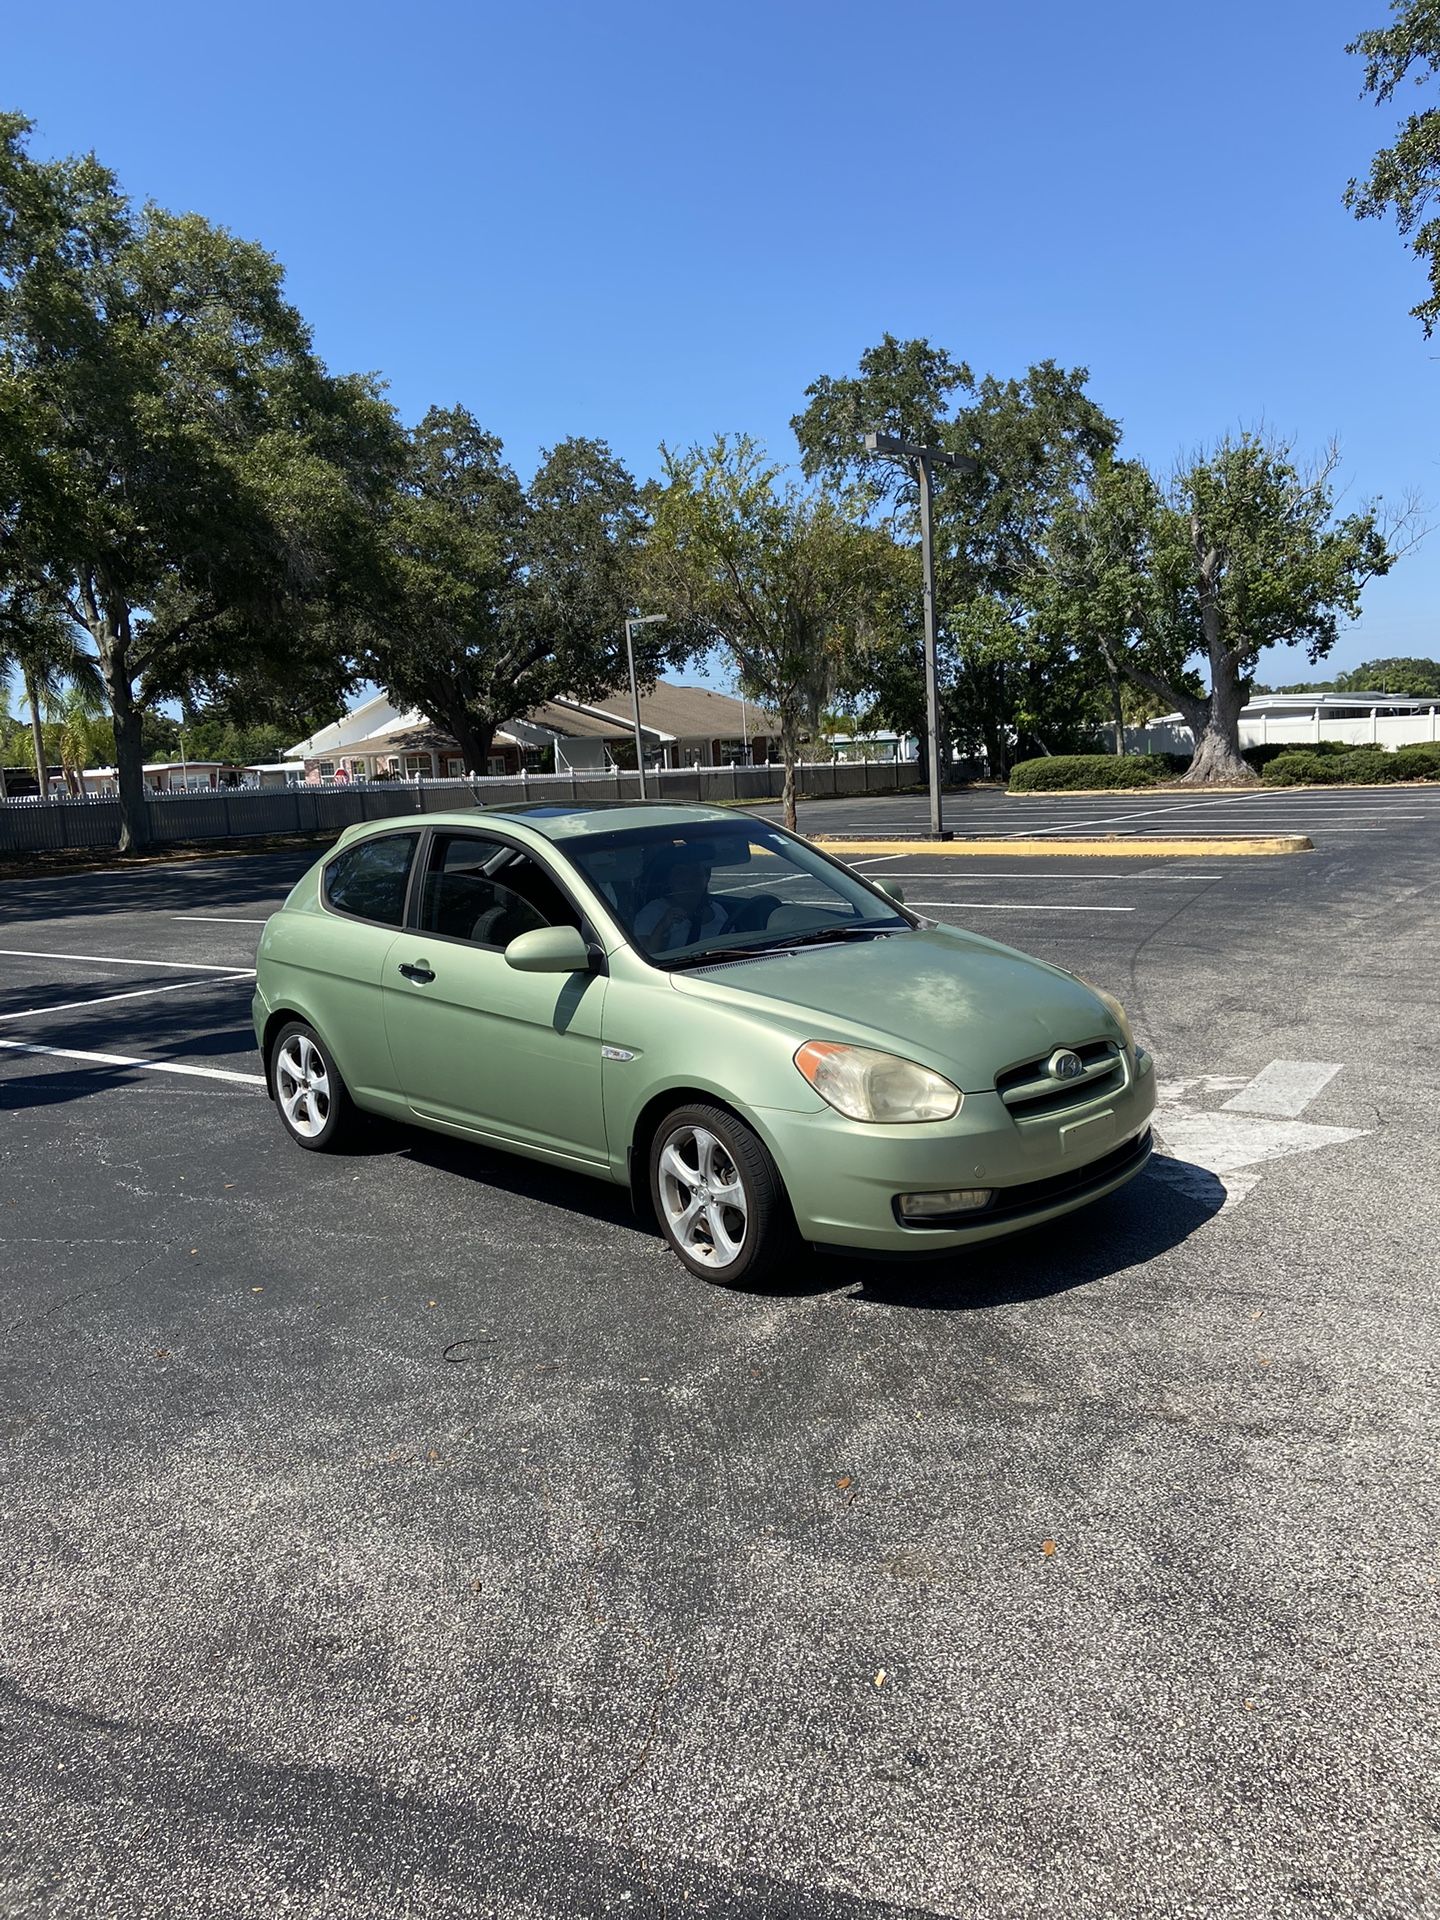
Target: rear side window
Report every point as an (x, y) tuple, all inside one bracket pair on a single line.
[(368, 881)]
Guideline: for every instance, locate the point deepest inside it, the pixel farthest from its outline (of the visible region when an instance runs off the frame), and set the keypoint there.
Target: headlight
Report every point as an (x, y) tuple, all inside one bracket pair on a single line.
[(1114, 1009), (866, 1085)]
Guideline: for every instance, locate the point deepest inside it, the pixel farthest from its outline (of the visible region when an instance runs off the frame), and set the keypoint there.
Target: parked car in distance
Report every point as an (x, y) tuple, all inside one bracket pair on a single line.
[(759, 1042)]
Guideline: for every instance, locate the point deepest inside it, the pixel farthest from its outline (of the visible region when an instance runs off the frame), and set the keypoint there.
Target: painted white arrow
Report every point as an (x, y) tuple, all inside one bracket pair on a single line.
[(1229, 1143)]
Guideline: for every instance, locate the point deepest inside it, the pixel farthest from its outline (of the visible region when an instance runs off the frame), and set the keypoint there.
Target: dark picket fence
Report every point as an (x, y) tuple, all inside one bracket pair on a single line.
[(31, 826)]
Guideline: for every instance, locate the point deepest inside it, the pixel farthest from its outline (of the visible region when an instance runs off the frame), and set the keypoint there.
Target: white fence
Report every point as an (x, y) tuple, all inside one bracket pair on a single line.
[(1300, 730), (35, 825)]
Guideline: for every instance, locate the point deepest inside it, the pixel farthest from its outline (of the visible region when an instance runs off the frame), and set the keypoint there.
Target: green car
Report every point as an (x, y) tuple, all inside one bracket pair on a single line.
[(760, 1043)]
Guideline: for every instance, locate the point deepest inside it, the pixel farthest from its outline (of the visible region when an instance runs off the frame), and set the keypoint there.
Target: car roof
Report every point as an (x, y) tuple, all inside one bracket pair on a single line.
[(559, 820)]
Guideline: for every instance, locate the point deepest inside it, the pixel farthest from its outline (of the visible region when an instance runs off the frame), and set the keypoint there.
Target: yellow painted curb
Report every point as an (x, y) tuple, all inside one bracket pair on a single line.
[(1111, 846)]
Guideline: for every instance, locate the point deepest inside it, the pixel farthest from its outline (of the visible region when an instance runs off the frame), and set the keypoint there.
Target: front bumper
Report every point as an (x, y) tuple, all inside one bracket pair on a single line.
[(843, 1177)]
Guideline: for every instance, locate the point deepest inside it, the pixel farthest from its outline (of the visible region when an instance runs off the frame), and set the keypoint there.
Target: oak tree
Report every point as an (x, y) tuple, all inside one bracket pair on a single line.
[(175, 457), (790, 581)]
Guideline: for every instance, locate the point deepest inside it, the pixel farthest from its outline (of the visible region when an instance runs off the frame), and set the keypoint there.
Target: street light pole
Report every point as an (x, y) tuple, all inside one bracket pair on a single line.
[(640, 620), (922, 460)]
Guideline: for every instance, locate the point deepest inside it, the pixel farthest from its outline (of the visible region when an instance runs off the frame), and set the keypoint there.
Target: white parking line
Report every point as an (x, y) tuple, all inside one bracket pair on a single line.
[(138, 993), (1013, 906), (960, 879), (128, 1060), (1285, 1087), (117, 960), (222, 919), (1132, 813)]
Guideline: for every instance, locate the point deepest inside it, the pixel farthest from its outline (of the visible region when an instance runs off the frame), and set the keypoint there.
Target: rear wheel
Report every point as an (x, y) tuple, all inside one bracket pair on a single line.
[(314, 1106), (718, 1196)]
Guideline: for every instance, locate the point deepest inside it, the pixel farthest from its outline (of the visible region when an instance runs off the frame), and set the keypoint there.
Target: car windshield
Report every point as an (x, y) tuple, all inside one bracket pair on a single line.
[(696, 891)]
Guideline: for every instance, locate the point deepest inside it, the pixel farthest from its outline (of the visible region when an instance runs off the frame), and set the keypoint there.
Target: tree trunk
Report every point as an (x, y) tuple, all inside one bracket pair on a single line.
[(37, 735), (108, 621), (997, 748), (129, 765), (473, 736), (1217, 760), (787, 792), (1117, 710)]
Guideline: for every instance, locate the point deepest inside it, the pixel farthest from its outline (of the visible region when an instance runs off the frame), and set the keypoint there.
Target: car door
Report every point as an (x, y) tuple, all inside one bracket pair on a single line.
[(515, 1056), (332, 965)]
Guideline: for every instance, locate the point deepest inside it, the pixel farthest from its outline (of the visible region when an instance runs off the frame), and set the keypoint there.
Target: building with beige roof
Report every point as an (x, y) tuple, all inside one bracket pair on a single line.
[(680, 726)]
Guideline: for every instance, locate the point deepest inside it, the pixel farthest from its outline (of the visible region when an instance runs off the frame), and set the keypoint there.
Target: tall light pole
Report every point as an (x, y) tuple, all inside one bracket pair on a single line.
[(640, 620), (922, 459)]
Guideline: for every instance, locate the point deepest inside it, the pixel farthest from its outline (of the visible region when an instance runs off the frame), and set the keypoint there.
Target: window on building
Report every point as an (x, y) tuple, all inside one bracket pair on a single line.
[(418, 764), (454, 766), (368, 880), (326, 769)]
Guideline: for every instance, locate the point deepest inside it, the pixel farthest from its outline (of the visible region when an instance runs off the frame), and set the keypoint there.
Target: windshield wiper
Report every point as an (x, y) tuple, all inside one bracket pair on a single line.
[(714, 956), (823, 934)]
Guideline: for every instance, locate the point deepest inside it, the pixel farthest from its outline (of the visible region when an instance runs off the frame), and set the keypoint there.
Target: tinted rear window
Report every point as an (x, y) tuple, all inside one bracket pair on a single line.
[(369, 880)]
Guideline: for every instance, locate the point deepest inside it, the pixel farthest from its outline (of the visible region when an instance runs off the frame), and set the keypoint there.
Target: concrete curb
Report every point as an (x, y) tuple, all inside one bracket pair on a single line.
[(1108, 847)]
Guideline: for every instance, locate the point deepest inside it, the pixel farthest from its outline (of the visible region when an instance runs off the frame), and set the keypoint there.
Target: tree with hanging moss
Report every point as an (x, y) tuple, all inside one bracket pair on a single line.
[(790, 581), (1404, 177), (1180, 587), (174, 457), (1035, 439)]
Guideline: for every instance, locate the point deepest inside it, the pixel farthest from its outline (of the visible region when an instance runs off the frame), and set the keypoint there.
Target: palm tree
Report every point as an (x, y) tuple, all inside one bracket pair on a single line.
[(80, 715), (39, 644)]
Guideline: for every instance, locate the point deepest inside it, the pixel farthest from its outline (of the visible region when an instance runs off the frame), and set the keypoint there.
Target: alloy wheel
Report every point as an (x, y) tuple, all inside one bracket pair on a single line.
[(703, 1197), (302, 1084)]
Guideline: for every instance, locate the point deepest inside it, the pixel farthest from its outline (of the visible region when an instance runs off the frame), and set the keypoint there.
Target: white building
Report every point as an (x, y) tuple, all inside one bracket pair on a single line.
[(1300, 719)]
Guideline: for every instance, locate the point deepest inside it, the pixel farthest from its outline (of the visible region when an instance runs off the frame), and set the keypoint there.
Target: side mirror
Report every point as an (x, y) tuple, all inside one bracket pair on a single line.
[(890, 890), (549, 950)]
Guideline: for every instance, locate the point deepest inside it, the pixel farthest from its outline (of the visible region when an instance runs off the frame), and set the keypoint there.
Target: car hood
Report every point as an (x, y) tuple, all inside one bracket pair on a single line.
[(952, 1000)]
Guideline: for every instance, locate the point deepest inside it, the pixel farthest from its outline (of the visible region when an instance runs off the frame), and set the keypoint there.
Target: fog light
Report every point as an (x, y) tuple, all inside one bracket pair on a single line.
[(924, 1206)]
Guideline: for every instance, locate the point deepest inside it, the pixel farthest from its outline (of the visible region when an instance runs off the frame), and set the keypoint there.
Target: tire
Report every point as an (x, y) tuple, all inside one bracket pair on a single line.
[(733, 1245), (314, 1107)]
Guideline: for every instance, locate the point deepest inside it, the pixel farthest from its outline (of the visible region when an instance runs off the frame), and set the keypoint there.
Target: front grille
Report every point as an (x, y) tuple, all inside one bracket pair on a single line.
[(1031, 1092), (1034, 1196)]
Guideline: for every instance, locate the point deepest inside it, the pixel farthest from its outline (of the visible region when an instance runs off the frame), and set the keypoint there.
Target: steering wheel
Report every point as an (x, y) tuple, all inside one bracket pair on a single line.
[(753, 915)]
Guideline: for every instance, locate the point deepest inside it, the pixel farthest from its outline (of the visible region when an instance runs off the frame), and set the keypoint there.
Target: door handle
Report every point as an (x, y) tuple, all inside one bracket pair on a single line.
[(418, 972)]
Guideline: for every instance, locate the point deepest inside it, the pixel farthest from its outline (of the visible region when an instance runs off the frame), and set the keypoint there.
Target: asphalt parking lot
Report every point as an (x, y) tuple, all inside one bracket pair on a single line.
[(405, 1534)]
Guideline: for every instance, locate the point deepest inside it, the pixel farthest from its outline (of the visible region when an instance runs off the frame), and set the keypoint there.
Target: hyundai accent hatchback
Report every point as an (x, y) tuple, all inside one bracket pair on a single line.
[(760, 1043)]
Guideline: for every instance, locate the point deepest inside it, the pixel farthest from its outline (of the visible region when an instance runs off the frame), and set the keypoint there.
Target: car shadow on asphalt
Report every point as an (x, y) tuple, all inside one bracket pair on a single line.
[(1144, 1220), (188, 886), (1151, 1216), (498, 1172)]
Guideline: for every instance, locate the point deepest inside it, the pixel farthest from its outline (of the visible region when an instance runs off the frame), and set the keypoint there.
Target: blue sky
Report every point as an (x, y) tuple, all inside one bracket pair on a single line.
[(647, 221)]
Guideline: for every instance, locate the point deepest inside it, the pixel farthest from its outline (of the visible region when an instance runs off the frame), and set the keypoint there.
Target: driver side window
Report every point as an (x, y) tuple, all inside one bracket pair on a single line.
[(488, 892)]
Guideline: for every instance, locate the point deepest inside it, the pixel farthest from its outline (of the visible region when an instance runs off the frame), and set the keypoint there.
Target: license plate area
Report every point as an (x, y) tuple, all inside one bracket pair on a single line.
[(1086, 1139)]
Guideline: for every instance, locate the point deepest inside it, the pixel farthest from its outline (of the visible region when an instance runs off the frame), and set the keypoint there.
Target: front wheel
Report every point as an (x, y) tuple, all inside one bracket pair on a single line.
[(309, 1092), (718, 1196)]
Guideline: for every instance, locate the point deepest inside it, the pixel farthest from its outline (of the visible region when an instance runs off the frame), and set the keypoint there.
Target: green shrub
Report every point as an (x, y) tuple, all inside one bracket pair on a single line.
[(1062, 772), (1417, 763), (1355, 766), (1367, 766), (1261, 757), (1303, 770)]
